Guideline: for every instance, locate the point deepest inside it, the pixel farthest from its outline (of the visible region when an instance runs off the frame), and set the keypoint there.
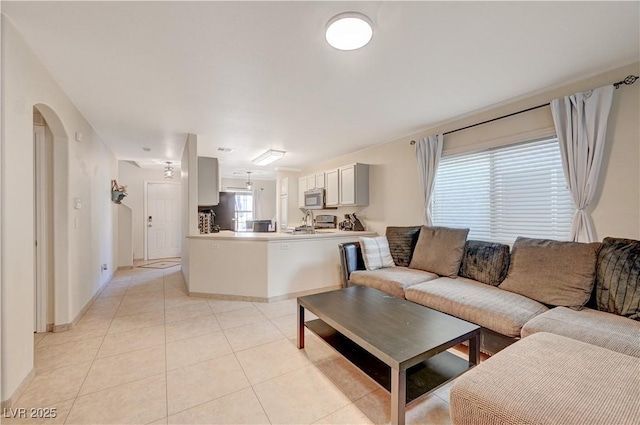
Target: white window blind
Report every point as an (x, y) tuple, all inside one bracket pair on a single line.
[(503, 193)]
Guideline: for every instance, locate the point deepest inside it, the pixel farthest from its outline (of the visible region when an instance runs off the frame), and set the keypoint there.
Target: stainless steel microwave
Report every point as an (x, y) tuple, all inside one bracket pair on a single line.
[(314, 199)]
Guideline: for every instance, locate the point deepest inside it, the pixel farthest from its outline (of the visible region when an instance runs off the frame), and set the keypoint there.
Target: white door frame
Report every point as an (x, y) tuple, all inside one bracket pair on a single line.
[(41, 281), (145, 217)]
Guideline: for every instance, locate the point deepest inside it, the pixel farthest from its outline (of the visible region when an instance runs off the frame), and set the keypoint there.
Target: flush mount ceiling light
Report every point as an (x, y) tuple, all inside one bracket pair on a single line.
[(168, 171), (349, 31), (268, 157)]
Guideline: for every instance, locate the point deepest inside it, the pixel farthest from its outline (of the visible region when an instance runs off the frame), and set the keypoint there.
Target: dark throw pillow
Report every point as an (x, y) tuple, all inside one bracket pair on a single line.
[(402, 241), (439, 250), (552, 272), (618, 277), (486, 262)]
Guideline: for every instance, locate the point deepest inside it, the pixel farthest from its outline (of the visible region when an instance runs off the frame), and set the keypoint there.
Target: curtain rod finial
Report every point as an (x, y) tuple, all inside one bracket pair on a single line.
[(413, 142), (627, 81)]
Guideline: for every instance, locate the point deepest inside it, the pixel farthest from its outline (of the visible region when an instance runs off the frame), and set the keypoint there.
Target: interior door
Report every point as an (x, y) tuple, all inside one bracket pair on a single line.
[(40, 281), (163, 220)]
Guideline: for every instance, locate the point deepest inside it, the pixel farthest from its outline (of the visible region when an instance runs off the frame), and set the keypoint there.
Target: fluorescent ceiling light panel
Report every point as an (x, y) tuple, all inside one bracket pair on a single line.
[(268, 157), (349, 31)]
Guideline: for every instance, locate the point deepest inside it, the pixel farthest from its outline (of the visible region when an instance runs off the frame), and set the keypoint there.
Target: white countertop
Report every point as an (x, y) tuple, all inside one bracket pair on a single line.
[(272, 236)]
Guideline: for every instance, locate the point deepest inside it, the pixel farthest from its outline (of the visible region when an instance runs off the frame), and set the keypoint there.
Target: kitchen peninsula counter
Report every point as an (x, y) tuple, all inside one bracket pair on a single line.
[(265, 266)]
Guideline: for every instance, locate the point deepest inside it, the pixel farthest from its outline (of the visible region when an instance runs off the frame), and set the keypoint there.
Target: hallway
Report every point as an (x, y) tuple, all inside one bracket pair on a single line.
[(145, 352)]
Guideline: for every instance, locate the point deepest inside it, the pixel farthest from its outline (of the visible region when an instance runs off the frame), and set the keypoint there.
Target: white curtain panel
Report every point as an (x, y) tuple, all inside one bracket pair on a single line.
[(428, 153), (257, 204), (581, 125)]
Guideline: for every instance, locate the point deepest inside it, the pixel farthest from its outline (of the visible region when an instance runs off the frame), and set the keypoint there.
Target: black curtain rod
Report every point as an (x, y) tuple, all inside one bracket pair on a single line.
[(627, 81)]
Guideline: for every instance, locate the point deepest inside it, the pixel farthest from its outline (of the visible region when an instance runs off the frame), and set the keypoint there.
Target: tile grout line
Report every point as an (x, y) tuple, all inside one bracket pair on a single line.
[(166, 361), (92, 361), (242, 368)]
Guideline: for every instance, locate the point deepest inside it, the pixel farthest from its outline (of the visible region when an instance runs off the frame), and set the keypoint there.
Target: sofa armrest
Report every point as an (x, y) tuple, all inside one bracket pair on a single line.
[(350, 260)]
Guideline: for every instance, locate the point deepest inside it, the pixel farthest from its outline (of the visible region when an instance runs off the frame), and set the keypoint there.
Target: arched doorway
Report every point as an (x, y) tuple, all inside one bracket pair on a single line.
[(51, 194)]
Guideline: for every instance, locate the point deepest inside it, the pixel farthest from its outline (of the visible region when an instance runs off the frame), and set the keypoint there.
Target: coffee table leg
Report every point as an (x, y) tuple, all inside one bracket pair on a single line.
[(474, 350), (398, 395), (300, 337)]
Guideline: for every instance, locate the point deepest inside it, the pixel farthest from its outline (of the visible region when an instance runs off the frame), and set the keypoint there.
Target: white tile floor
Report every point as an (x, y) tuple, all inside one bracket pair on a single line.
[(145, 352)]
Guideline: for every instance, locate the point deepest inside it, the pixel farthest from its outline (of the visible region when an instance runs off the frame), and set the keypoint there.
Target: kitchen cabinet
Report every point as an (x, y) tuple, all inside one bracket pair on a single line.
[(302, 187), (319, 181), (354, 185), (208, 189), (287, 202), (332, 188), (284, 212), (284, 186)]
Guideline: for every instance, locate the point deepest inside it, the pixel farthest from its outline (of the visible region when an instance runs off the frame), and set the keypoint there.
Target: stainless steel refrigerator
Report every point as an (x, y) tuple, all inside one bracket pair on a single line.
[(226, 211)]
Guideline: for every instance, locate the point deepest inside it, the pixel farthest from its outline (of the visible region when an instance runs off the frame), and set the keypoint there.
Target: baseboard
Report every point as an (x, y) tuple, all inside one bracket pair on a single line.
[(227, 297), (68, 326), (8, 403), (125, 267)]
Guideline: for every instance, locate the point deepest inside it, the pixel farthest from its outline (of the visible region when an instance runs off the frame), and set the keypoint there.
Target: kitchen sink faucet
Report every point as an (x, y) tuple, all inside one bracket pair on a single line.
[(310, 227)]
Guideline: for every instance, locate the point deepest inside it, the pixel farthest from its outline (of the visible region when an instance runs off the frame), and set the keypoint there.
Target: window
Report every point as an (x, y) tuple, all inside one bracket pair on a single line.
[(503, 193), (244, 211)]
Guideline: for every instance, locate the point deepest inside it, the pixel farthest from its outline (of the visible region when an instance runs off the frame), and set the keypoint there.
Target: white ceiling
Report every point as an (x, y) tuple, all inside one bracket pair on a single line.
[(257, 75)]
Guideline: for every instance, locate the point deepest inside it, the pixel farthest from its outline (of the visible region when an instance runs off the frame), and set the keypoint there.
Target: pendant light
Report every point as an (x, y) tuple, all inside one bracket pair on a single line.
[(168, 171), (249, 185)]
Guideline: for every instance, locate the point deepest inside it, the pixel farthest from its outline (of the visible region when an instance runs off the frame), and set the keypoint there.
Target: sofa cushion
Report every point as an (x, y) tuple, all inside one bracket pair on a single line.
[(439, 250), (552, 272), (375, 253), (402, 241), (606, 330), (618, 277), (485, 305), (394, 280), (549, 379), (486, 262)]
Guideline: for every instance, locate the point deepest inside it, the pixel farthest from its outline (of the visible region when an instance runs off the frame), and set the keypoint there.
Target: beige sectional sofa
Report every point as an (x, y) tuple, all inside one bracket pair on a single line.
[(573, 309)]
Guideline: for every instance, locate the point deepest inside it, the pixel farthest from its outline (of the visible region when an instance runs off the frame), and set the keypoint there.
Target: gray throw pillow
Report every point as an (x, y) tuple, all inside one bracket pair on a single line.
[(486, 262), (618, 277), (402, 242), (439, 250), (552, 272)]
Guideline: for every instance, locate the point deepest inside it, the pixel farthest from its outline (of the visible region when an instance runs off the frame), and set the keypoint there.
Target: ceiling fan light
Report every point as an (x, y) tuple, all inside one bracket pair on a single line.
[(268, 157), (349, 31)]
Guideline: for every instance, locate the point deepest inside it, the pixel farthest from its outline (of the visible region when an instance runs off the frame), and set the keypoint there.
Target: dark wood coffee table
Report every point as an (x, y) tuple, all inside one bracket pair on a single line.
[(400, 344)]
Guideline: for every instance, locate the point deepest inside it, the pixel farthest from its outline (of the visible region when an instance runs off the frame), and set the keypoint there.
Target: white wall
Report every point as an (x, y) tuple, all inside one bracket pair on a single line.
[(267, 193), (82, 170), (134, 177), (394, 190), (189, 193)]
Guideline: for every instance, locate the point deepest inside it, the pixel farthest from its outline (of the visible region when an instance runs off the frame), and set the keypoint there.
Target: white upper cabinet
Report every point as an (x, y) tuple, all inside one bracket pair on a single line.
[(284, 186), (319, 180), (332, 188), (302, 187), (208, 190), (354, 184)]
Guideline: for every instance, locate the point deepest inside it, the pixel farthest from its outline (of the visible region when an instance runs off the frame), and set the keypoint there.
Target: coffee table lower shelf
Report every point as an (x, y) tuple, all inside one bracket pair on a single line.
[(421, 378)]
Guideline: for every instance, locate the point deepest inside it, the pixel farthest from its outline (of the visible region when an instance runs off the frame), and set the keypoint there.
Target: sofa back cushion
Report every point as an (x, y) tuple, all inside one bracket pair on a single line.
[(439, 250), (486, 262), (402, 242), (552, 272), (618, 277)]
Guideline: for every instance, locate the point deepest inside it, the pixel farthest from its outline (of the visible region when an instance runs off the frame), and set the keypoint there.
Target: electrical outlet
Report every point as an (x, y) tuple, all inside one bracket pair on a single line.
[(284, 247), (215, 246)]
